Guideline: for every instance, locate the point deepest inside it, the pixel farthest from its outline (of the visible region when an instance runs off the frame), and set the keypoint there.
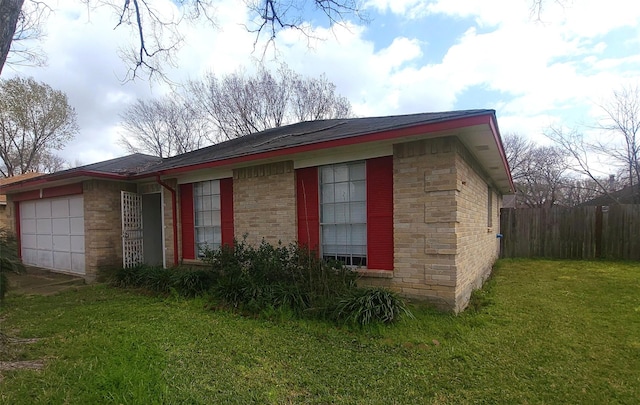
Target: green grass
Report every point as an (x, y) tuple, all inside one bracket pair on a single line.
[(542, 332)]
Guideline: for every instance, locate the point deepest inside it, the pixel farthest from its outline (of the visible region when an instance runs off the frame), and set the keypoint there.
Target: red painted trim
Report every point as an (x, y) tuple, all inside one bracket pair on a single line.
[(52, 192), (187, 221), (16, 204), (66, 175), (71, 189), (496, 136), (308, 207), (378, 136), (27, 195), (226, 210), (174, 209), (380, 213)]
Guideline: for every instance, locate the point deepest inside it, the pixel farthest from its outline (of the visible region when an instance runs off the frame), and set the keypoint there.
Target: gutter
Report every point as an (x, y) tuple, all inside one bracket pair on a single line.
[(174, 206)]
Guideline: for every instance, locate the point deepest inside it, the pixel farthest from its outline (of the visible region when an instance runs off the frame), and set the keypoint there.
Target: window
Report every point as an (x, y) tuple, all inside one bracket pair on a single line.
[(206, 209), (489, 207), (343, 213)]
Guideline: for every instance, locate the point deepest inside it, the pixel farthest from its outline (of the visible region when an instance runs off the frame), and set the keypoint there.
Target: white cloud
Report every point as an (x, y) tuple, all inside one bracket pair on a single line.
[(538, 71), (406, 8)]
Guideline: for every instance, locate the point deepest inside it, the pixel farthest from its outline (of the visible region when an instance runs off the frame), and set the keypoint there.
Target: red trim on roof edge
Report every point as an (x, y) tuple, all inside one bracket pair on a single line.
[(505, 162), (69, 175), (376, 136), (487, 118)]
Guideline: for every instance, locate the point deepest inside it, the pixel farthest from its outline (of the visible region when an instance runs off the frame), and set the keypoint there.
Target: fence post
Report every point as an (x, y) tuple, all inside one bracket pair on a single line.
[(598, 235)]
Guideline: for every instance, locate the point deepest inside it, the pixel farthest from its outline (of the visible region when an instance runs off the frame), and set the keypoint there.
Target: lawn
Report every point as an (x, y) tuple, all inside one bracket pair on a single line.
[(540, 332)]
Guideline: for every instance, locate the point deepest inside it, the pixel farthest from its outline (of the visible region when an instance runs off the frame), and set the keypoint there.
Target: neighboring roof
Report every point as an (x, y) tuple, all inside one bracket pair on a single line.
[(308, 133), (627, 195), (480, 135), (14, 179)]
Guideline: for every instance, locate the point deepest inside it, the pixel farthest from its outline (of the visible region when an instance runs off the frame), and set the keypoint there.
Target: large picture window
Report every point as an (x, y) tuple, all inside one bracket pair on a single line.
[(206, 209), (343, 212)]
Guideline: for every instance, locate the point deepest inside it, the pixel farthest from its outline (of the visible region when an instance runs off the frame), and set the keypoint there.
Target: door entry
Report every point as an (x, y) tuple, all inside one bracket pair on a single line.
[(132, 235)]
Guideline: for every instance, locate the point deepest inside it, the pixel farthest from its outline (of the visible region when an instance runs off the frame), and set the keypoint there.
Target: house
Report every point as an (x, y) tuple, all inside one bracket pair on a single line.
[(5, 211), (626, 195), (411, 202)]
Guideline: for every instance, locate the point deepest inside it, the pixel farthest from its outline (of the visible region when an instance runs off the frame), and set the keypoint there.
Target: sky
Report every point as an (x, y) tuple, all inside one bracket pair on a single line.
[(411, 56)]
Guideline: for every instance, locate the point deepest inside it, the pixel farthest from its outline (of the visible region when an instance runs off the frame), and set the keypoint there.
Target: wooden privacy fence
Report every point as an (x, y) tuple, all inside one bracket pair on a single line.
[(611, 232)]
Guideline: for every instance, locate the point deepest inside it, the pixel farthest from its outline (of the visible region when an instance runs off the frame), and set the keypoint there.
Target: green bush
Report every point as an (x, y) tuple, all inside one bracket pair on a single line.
[(9, 259), (192, 282), (278, 277), (272, 280), (185, 281), (364, 306)]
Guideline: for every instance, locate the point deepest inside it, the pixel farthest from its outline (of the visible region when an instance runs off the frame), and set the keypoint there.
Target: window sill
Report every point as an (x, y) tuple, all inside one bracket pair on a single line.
[(375, 273)]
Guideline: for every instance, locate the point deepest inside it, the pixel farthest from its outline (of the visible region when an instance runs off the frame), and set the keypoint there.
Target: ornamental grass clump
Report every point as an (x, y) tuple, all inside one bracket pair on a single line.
[(364, 306)]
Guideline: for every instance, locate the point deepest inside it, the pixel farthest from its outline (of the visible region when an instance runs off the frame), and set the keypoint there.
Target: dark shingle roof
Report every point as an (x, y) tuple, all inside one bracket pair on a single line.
[(130, 164), (627, 195), (140, 165), (306, 133)]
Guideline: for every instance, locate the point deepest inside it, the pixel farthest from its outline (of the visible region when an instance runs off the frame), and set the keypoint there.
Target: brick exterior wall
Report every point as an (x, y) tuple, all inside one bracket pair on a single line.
[(167, 209), (476, 233), (102, 224), (443, 248), (6, 217), (425, 215), (264, 199)]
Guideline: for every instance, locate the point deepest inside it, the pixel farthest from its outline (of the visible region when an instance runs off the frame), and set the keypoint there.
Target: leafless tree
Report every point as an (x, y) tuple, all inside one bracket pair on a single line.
[(618, 144), (163, 127), (621, 127), (158, 34), (49, 162), (239, 104), (539, 172), (34, 120)]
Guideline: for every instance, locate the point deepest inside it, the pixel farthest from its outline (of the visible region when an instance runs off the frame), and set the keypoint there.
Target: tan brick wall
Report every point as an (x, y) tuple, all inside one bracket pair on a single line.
[(264, 199), (424, 205), (102, 224), (167, 209), (6, 217), (478, 239), (442, 247)]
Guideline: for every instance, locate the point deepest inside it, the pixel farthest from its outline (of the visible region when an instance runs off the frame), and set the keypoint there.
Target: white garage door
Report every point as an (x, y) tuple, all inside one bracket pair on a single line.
[(52, 233)]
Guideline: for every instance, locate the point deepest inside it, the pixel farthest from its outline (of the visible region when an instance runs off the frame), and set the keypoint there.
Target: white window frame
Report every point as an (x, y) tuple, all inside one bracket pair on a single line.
[(343, 212), (207, 217)]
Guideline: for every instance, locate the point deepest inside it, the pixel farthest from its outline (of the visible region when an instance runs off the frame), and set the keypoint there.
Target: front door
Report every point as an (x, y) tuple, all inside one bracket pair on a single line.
[(132, 241)]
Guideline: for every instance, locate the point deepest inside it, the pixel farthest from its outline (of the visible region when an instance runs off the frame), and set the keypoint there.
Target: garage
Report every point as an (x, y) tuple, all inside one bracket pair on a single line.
[(52, 233)]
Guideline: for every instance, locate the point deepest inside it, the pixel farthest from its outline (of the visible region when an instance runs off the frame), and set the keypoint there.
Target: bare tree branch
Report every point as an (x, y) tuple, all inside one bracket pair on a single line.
[(238, 104)]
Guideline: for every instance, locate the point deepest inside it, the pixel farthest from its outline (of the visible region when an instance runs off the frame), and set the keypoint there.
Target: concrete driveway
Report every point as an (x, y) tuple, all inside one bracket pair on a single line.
[(36, 281)]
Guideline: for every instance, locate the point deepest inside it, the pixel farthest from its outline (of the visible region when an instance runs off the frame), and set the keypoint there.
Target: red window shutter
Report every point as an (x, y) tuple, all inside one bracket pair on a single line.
[(226, 210), (187, 221), (308, 207), (380, 213)]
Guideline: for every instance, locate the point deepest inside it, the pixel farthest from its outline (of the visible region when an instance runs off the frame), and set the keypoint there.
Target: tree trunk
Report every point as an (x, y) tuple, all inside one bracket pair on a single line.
[(9, 14)]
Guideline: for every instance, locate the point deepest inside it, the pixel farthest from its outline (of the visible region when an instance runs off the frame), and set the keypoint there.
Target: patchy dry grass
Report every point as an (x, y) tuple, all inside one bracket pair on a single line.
[(541, 332)]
